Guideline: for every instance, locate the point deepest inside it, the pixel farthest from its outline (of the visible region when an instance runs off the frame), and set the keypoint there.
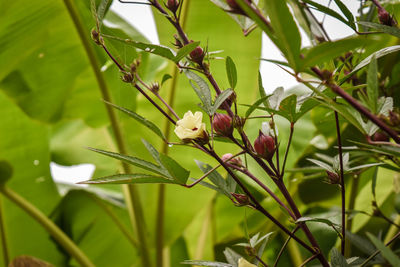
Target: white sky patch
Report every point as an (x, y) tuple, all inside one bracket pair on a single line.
[(71, 174)]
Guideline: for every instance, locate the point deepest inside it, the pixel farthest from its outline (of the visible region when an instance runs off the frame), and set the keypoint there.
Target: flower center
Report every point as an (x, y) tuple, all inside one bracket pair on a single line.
[(195, 129)]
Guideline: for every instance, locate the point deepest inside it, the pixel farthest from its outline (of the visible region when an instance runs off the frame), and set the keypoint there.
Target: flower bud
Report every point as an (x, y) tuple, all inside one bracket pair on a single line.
[(197, 55), (96, 37), (394, 118), (380, 137), (238, 122), (222, 124), (385, 18), (128, 77), (240, 199), (172, 5), (178, 43), (155, 87), (234, 161), (333, 178), (264, 145)]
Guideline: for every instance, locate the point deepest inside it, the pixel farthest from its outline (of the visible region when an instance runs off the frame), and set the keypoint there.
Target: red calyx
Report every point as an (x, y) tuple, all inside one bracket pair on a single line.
[(197, 55), (222, 124), (264, 145)]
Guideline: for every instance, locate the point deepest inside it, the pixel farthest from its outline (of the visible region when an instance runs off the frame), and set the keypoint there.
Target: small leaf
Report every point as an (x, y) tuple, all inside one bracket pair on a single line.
[(175, 170), (387, 253), (372, 84), (231, 72), (232, 257), (131, 160), (207, 263), (308, 105), (337, 259), (165, 78), (214, 177), (202, 90), (373, 183), (345, 11), (261, 90), (153, 152), (158, 50), (220, 99), (102, 9), (185, 50), (137, 178), (140, 119)]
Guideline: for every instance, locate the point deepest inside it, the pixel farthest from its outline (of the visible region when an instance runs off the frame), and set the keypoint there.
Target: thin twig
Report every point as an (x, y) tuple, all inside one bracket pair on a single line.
[(378, 251), (284, 246), (287, 148)]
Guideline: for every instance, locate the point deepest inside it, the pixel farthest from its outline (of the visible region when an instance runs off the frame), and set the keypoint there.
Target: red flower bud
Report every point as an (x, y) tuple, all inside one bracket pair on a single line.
[(385, 18), (333, 178), (380, 137), (240, 199), (197, 55), (173, 5), (222, 124), (234, 161), (264, 145)]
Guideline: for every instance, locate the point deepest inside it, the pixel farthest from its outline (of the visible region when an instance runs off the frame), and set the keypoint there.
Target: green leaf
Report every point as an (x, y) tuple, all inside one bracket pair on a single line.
[(288, 107), (322, 164), (231, 72), (214, 177), (372, 84), (140, 119), (101, 10), (135, 178), (329, 12), (153, 152), (131, 160), (255, 105), (337, 259), (308, 105), (207, 263), (185, 50), (387, 253), (373, 183), (165, 78), (327, 51), (345, 10), (176, 171), (202, 90), (383, 28), (220, 99), (380, 53), (286, 31), (335, 226), (261, 90), (158, 50)]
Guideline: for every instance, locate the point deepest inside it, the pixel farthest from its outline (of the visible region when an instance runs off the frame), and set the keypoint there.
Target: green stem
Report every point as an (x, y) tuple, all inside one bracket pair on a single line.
[(48, 225), (6, 256), (131, 193)]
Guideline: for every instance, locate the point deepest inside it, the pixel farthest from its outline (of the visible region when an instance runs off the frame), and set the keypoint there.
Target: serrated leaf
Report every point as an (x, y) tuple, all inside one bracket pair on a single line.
[(101, 10), (207, 263), (308, 105), (364, 166), (220, 99), (176, 171), (372, 84), (337, 259), (231, 72), (185, 50), (136, 178), (131, 160), (288, 107), (140, 119), (387, 253), (158, 50), (202, 90)]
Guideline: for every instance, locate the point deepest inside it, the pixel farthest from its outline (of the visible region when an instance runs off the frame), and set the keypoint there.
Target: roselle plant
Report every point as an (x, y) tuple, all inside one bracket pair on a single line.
[(215, 171)]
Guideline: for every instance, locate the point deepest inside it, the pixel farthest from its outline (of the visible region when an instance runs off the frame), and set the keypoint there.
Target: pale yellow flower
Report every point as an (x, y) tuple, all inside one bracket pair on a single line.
[(243, 263), (190, 126)]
